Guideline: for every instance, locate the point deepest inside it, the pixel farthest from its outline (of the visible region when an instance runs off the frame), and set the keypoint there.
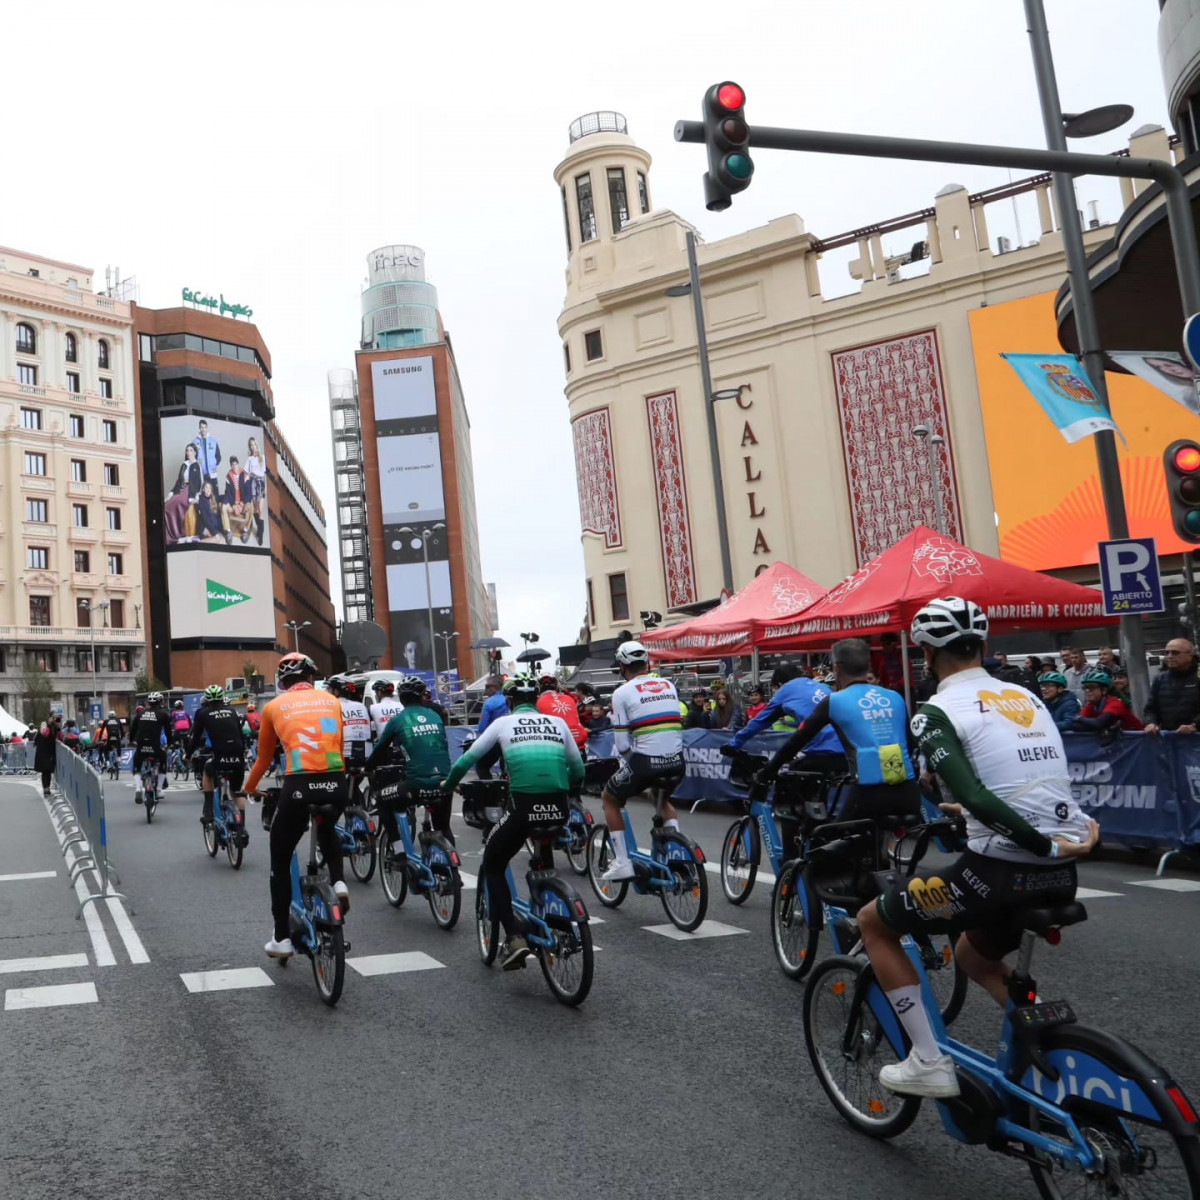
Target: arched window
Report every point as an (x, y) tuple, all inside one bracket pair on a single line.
[(26, 339), (72, 348), (102, 354)]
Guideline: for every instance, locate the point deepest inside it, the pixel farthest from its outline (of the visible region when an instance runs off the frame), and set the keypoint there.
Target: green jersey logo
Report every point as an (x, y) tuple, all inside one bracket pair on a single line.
[(222, 596)]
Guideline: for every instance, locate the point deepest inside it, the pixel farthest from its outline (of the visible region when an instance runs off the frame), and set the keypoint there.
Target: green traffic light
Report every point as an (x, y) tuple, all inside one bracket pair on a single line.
[(1191, 522), (739, 166)]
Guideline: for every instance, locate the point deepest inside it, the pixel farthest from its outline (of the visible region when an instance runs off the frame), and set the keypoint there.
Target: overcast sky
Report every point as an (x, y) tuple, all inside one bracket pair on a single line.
[(263, 148)]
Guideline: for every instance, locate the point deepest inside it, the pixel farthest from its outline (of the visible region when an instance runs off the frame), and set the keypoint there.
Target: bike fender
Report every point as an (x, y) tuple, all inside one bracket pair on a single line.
[(444, 844), (678, 836), (324, 900), (558, 895)]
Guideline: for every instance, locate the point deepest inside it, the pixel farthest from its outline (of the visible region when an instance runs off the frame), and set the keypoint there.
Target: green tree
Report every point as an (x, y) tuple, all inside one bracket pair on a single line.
[(249, 669), (145, 682), (37, 687)]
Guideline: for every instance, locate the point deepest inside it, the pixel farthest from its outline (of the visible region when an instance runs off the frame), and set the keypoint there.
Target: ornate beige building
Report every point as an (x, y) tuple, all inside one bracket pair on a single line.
[(820, 464), (70, 509)]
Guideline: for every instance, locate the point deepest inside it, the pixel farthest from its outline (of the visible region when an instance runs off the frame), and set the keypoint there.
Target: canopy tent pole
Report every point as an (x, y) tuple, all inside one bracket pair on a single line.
[(904, 657), (754, 665)]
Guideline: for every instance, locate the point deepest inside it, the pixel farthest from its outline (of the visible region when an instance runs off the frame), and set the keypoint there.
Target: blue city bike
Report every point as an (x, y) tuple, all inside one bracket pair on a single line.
[(316, 922), (147, 792), (573, 838), (227, 829), (356, 832), (554, 920), (674, 869), (1088, 1112)]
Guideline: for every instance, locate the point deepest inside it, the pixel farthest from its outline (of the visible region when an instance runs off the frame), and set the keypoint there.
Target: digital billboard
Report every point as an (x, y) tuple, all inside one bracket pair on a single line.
[(1046, 492), (221, 595), (413, 503)]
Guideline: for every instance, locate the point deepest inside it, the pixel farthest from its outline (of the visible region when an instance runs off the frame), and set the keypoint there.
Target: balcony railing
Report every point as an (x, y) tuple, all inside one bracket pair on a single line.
[(64, 633), (81, 579), (112, 491), (79, 533), (117, 537), (39, 529), (31, 389), (120, 583), (37, 483), (78, 488)]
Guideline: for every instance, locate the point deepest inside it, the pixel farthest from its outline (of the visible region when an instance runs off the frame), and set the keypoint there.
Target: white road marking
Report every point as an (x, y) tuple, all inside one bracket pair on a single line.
[(226, 980), (50, 997), (709, 929), (469, 881), (394, 964), (714, 868), (46, 962), (1168, 885), (133, 943), (1082, 893), (28, 875)]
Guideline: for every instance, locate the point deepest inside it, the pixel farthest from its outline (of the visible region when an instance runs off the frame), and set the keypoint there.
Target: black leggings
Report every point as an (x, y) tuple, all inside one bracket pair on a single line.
[(539, 816), (46, 780), (394, 796), (289, 826)]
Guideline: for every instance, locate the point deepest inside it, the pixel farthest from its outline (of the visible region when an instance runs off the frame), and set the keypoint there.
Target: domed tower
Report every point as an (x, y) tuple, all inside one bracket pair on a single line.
[(399, 308)]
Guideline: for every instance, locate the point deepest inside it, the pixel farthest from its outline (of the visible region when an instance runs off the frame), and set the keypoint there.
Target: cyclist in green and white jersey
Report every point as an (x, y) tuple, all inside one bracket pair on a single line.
[(543, 765)]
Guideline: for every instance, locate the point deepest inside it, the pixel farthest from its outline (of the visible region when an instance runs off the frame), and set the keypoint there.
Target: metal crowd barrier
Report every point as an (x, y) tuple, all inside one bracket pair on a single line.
[(77, 808), (14, 759)]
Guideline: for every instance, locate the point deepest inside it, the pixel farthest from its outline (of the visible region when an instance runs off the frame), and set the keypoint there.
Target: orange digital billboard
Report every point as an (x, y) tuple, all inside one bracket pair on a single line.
[(1046, 490)]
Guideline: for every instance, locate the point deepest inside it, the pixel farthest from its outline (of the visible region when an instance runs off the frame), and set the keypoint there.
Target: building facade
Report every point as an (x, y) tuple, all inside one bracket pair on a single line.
[(405, 482), (71, 571), (235, 534), (820, 464)]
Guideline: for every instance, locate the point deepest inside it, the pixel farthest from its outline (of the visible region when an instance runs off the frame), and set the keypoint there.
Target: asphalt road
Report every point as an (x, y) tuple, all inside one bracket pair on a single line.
[(683, 1075)]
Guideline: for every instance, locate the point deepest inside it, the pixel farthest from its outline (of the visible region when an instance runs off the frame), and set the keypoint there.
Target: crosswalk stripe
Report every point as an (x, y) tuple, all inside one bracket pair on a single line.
[(709, 929), (1168, 885), (394, 964), (1093, 894), (46, 962), (27, 875), (226, 980), (51, 996)]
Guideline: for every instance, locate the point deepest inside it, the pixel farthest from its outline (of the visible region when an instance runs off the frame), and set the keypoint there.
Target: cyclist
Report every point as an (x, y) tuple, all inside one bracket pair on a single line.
[(111, 734), (871, 723), (356, 729), (792, 702), (151, 734), (307, 725), (217, 734), (543, 764), (70, 737), (181, 723), (999, 752), (648, 738), (559, 704), (386, 706), (418, 733)]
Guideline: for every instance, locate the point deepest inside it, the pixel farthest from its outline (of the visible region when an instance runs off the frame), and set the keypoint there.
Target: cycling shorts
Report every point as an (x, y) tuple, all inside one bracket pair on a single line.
[(979, 896), (158, 752), (641, 771), (880, 800), (331, 787), (354, 754), (226, 766)]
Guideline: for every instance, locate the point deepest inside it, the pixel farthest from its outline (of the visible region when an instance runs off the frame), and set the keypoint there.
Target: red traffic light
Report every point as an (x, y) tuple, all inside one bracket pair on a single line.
[(730, 96), (1187, 458)]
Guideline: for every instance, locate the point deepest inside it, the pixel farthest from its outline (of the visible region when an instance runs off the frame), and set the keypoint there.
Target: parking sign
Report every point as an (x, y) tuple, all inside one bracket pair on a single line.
[(1129, 577)]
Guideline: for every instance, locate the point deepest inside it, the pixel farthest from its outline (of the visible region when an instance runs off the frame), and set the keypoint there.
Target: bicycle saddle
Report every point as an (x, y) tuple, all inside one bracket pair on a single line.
[(324, 810), (1042, 920)]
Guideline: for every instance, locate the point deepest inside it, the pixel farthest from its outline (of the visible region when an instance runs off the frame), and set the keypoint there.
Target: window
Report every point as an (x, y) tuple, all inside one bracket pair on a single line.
[(587, 209), (26, 339), (145, 347), (83, 662), (112, 518), (76, 426), (83, 561), (618, 597), (37, 558), (593, 345), (591, 606), (643, 193), (106, 388), (110, 430), (102, 354), (39, 610), (618, 202), (73, 382), (79, 516), (112, 476), (31, 418), (71, 348), (37, 510), (41, 660), (83, 613), (116, 614), (35, 464), (566, 220), (567, 356), (78, 470), (116, 564), (27, 374), (119, 660)]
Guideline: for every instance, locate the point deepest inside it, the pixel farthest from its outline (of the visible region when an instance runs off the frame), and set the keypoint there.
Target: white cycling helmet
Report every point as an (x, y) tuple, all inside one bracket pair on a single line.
[(632, 654), (947, 620)]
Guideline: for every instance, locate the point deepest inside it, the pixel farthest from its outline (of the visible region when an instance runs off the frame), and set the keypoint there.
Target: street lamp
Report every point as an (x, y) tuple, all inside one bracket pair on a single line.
[(91, 611), (932, 444), (447, 638), (295, 627), (423, 536)]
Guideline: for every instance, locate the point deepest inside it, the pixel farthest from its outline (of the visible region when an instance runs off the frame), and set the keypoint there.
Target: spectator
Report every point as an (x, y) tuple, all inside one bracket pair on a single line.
[(1107, 660), (1074, 669), (755, 703), (1120, 678), (495, 705), (597, 720), (1008, 672), (727, 715), (1034, 667), (888, 664), (1174, 704), (1104, 713), (1060, 700), (698, 716), (44, 754), (71, 737)]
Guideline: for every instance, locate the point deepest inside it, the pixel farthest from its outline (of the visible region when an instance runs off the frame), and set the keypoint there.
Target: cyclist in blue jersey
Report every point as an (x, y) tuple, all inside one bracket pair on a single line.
[(871, 723)]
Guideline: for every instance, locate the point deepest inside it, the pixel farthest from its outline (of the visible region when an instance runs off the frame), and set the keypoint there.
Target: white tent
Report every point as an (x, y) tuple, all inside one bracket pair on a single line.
[(10, 725)]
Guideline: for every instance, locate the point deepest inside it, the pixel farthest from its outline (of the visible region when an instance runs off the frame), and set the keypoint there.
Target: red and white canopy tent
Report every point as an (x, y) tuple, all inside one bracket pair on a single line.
[(883, 596), (729, 629)]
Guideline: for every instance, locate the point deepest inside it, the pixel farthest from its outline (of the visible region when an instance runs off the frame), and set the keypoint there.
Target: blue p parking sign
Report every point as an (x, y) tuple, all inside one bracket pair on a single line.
[(1129, 577)]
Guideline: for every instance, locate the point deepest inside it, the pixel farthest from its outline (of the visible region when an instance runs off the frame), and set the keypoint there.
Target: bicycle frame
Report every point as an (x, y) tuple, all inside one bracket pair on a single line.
[(224, 798), (542, 903), (423, 880), (653, 861), (308, 905)]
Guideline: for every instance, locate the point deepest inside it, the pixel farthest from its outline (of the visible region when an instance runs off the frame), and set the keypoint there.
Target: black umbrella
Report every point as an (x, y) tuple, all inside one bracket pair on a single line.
[(536, 655), (488, 643)]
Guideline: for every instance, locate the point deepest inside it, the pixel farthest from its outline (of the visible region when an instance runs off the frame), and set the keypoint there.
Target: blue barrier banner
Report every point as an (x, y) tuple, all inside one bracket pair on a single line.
[(1184, 755)]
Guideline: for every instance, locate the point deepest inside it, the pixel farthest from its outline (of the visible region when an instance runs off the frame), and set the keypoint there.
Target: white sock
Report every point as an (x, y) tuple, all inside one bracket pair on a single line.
[(673, 823), (909, 1008), (617, 837), (398, 846)]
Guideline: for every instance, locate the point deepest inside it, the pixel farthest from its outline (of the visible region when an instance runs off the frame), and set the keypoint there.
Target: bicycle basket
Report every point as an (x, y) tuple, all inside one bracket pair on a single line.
[(483, 802)]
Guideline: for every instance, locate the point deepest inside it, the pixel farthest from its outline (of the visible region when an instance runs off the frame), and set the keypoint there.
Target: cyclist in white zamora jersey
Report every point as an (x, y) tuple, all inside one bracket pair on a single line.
[(648, 737), (386, 706), (996, 748)]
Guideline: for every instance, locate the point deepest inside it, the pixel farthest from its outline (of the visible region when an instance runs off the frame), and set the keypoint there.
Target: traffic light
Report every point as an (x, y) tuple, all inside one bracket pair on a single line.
[(727, 137), (1181, 464)]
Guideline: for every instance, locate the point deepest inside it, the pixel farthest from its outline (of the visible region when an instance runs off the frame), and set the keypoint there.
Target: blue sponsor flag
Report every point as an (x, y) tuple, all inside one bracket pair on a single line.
[(1060, 385)]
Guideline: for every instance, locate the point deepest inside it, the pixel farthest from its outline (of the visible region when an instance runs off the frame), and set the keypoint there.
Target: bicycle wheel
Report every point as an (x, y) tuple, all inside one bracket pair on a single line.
[(947, 979), (569, 965), (393, 875), (148, 802), (793, 936), (362, 857), (329, 964), (851, 1080), (486, 927), (445, 897), (738, 865), (577, 846), (233, 843), (600, 856), (686, 902), (1140, 1159), (212, 843)]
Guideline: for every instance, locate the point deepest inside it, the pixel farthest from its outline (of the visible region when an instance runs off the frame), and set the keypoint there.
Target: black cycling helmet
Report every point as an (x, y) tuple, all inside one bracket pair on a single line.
[(293, 669), (548, 683), (383, 687), (342, 687), (784, 673), (412, 686)]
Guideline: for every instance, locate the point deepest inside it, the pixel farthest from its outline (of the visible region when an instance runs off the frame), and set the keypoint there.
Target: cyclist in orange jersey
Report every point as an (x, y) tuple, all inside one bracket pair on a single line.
[(308, 725)]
